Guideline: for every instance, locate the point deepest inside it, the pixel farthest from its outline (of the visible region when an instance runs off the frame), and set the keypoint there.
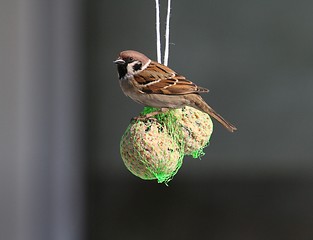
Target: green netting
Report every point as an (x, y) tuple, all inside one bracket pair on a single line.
[(200, 152), (154, 148)]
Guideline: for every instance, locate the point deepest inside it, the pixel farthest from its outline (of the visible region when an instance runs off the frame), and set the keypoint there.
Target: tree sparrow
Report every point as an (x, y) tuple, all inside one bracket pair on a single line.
[(155, 85)]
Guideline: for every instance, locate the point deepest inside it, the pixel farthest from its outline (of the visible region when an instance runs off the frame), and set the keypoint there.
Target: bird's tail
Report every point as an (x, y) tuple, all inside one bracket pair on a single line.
[(204, 107)]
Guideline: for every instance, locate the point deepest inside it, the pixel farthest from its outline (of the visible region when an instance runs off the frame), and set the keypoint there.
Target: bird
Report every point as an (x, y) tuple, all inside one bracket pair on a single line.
[(155, 85)]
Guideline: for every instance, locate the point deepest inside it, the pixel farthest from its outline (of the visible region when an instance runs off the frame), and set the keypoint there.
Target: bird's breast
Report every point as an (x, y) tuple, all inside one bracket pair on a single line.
[(127, 87), (130, 90)]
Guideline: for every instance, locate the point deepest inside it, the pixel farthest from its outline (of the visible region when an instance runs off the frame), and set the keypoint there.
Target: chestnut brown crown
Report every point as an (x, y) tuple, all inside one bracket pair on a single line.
[(130, 56)]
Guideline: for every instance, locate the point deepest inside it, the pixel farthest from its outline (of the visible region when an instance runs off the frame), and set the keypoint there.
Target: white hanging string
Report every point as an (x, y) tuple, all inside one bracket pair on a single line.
[(167, 33), (157, 19)]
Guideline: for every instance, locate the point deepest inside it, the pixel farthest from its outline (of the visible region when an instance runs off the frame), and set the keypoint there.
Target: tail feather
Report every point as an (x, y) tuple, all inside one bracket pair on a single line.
[(230, 127), (204, 107)]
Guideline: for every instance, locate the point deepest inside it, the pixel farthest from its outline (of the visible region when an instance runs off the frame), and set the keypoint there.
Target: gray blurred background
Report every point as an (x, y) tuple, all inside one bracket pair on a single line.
[(63, 114)]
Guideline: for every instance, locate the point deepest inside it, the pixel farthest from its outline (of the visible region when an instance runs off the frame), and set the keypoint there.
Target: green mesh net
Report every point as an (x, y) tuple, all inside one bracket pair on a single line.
[(155, 148)]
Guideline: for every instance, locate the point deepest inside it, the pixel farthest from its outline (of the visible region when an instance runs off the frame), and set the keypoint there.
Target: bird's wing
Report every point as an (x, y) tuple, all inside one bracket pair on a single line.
[(159, 79)]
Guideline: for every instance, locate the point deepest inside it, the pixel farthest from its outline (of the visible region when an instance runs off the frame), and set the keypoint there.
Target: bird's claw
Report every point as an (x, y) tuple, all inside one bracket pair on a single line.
[(143, 118)]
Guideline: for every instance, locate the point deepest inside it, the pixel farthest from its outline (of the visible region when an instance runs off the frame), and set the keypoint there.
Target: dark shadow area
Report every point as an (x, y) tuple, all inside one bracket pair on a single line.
[(211, 208)]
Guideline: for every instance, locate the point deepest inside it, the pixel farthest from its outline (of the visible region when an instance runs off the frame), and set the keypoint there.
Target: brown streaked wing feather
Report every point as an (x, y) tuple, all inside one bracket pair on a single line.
[(160, 79), (155, 66), (154, 72)]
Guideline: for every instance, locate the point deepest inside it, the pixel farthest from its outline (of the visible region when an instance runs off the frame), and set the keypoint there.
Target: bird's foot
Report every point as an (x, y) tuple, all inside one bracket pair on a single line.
[(150, 116)]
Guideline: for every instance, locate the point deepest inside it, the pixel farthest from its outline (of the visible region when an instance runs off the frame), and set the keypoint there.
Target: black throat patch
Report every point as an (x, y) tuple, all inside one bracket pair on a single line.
[(122, 70)]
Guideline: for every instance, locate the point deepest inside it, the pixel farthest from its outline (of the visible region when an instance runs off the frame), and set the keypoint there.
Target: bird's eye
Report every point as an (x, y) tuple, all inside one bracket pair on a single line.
[(131, 59)]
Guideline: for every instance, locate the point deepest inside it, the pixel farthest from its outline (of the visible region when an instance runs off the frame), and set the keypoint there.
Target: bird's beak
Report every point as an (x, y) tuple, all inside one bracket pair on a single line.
[(119, 61)]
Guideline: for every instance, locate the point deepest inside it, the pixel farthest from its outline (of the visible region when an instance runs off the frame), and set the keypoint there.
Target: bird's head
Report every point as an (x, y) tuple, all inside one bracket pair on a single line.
[(130, 62)]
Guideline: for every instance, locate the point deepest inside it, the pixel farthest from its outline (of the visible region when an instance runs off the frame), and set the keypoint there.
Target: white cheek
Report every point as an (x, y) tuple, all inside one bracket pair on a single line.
[(130, 69)]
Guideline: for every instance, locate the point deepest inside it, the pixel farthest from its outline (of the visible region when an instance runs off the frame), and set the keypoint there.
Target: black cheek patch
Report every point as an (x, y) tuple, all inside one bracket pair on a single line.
[(137, 66)]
